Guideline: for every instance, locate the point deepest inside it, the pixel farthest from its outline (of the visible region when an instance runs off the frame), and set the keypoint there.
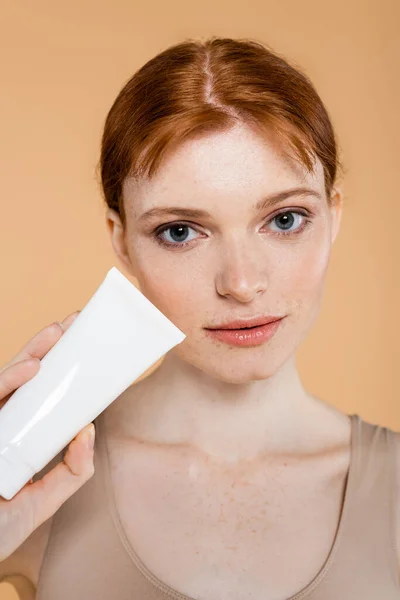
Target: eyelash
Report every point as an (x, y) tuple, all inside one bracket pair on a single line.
[(159, 231)]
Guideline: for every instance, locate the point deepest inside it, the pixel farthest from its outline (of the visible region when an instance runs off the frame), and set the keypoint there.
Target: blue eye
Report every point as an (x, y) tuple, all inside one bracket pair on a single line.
[(179, 235), (287, 220), (179, 231)]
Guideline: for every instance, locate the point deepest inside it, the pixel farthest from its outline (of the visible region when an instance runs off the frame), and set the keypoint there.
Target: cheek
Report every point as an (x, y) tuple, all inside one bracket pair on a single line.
[(168, 282), (311, 271), (302, 283), (175, 291)]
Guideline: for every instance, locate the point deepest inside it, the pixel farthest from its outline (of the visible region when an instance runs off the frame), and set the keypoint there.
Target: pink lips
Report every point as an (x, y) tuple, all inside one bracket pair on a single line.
[(254, 336), (249, 322)]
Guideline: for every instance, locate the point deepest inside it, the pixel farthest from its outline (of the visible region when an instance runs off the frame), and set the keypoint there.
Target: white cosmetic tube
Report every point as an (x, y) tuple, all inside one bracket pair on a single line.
[(116, 337)]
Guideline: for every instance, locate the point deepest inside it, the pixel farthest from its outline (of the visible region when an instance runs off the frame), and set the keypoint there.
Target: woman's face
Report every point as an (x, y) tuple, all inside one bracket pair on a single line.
[(237, 261)]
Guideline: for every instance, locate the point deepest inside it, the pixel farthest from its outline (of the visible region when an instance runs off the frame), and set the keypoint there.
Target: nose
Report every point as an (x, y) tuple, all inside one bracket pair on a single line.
[(243, 272)]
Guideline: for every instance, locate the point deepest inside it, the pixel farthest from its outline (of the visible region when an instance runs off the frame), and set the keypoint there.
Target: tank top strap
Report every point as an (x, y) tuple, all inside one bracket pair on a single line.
[(371, 512), (374, 464)]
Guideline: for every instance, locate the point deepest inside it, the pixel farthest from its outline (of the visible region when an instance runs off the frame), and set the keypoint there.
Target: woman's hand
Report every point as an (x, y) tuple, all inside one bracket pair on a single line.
[(36, 502)]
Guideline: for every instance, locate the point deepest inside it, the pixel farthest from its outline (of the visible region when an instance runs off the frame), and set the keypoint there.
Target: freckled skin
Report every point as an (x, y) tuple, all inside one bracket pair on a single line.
[(223, 398), (233, 266), (227, 467), (233, 530)]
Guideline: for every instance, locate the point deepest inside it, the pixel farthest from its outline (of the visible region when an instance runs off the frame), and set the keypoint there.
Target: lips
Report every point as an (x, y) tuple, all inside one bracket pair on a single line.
[(247, 323), (246, 336)]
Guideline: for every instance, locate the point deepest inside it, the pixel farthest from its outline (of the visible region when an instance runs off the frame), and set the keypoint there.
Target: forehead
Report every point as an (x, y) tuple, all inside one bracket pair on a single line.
[(238, 164)]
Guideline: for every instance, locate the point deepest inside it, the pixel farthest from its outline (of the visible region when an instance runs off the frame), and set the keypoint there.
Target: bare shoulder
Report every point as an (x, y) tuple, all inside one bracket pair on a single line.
[(28, 558)]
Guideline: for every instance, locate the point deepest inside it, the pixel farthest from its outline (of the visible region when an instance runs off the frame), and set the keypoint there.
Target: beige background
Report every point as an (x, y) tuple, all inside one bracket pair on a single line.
[(63, 64)]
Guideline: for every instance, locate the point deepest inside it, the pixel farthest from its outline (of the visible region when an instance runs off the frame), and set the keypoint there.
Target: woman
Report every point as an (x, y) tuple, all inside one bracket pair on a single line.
[(218, 476)]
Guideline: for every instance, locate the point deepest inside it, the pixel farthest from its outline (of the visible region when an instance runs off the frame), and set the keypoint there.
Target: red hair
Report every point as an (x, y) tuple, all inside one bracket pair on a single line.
[(196, 87)]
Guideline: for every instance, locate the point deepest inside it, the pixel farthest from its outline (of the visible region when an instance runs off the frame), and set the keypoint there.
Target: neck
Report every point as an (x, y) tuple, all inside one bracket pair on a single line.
[(180, 404)]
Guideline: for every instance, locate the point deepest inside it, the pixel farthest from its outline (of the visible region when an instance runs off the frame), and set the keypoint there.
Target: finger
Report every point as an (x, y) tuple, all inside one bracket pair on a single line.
[(50, 492), (69, 320), (38, 346), (42, 342), (16, 375)]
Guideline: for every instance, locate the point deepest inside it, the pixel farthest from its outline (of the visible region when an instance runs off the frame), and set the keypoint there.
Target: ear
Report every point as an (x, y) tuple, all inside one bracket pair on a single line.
[(336, 211), (117, 234)]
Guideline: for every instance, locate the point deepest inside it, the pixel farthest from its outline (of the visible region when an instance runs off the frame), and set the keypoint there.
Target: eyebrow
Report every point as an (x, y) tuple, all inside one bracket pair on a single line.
[(196, 213)]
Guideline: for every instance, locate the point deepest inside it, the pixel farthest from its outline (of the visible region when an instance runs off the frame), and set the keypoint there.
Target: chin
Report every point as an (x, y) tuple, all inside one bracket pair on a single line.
[(254, 364), (238, 375), (244, 371)]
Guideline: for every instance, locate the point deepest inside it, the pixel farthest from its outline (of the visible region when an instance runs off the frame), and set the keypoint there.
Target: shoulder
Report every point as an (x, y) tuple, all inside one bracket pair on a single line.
[(393, 438)]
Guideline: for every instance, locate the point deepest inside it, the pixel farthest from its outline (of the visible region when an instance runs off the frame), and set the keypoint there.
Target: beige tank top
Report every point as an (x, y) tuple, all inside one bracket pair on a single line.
[(88, 555)]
